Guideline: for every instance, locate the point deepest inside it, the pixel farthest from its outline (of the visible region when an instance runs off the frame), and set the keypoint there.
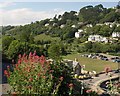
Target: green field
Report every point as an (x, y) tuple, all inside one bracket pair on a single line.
[(43, 37), (92, 64)]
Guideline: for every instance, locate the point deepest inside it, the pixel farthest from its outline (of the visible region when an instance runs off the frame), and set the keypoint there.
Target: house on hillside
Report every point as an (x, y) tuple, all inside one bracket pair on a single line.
[(79, 33), (116, 34), (51, 19), (47, 24), (73, 26), (118, 25), (111, 24), (97, 38), (63, 25), (89, 25)]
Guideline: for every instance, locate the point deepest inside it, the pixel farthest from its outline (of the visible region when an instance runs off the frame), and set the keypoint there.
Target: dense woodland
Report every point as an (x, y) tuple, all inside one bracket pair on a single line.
[(22, 39)]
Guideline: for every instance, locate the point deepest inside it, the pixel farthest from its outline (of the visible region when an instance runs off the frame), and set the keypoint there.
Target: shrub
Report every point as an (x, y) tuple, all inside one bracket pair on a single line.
[(35, 75)]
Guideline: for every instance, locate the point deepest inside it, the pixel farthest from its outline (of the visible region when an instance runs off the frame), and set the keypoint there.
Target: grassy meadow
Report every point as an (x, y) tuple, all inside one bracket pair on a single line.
[(92, 64), (43, 37)]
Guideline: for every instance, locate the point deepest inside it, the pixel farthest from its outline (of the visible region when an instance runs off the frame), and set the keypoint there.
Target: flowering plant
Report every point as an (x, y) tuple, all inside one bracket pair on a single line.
[(90, 92), (35, 75), (31, 75)]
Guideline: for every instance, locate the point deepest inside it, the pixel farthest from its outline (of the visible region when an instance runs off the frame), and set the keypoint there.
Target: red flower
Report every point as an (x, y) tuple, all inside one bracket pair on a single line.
[(25, 60), (88, 91), (6, 73), (34, 53), (44, 77), (19, 61), (30, 55), (19, 56), (38, 75), (24, 55), (71, 85), (107, 69), (31, 79), (42, 59), (61, 78)]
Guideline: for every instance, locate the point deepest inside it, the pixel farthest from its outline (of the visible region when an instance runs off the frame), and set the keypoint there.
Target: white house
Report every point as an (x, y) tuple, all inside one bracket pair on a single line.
[(61, 26), (59, 19), (97, 38), (80, 30), (54, 24), (73, 26), (115, 34), (47, 24), (89, 25), (118, 25), (51, 19), (79, 33)]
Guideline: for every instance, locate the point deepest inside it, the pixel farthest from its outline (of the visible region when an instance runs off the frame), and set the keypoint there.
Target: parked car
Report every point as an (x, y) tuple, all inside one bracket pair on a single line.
[(117, 71)]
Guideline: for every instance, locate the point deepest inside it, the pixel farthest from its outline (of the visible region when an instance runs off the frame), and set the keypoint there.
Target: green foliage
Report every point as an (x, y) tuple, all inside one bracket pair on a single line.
[(91, 14), (38, 33), (6, 40), (16, 47), (55, 52), (97, 47), (68, 32)]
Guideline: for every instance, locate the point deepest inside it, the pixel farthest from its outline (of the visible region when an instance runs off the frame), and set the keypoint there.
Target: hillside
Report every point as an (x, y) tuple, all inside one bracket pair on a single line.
[(61, 29), (55, 26)]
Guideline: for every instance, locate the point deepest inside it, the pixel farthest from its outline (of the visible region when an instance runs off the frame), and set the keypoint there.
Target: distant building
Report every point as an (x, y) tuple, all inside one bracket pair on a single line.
[(97, 38), (115, 34), (73, 26), (51, 19), (74, 65), (89, 25), (79, 33), (59, 19), (47, 24), (80, 22), (61, 26), (118, 25), (77, 13), (54, 24)]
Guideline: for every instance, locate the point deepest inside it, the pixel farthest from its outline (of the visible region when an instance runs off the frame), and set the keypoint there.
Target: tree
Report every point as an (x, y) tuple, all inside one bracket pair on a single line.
[(88, 46), (6, 40), (16, 47), (54, 52)]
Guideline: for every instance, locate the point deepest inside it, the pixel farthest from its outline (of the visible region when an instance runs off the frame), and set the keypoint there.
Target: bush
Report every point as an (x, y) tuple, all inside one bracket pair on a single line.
[(35, 75)]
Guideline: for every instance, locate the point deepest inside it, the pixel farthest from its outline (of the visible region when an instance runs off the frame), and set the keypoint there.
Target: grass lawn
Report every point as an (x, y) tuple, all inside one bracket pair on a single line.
[(44, 37), (92, 64)]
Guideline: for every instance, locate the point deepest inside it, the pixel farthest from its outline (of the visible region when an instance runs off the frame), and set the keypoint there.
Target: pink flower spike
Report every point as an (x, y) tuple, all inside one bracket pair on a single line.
[(24, 55), (34, 54), (19, 56), (30, 54)]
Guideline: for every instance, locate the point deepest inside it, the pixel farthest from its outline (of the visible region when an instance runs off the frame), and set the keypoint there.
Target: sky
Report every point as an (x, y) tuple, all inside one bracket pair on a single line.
[(21, 13)]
